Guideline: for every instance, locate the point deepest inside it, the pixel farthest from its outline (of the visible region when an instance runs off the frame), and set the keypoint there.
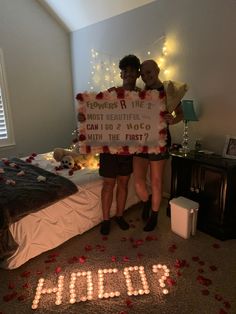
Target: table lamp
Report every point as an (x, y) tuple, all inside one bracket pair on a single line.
[(188, 115)]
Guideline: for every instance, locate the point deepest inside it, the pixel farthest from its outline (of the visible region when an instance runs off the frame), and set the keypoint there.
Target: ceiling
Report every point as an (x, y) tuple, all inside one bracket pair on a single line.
[(76, 14)]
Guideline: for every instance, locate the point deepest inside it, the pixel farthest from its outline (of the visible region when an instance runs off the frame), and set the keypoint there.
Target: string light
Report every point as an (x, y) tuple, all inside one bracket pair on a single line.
[(104, 67)]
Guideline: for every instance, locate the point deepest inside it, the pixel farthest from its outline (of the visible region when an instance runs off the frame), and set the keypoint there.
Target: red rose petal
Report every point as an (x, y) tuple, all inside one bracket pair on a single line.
[(11, 285), (129, 303), (213, 267), (58, 270), (53, 255), (26, 274), (205, 292), (25, 286), (222, 311), (105, 149), (21, 297), (227, 304), (82, 137), (181, 263), (88, 248), (113, 259), (80, 97), (150, 238), (9, 297), (125, 258), (195, 258), (171, 282), (145, 149), (204, 281), (99, 95), (142, 94), (172, 248), (138, 242), (178, 273), (218, 297), (82, 259), (71, 172), (125, 149), (51, 260), (139, 255)]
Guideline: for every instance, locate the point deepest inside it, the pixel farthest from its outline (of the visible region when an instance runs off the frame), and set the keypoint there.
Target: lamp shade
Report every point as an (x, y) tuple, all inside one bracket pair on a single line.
[(188, 110)]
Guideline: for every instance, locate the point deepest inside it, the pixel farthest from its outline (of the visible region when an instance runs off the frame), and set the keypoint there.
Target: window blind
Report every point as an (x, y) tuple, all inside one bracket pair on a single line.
[(3, 126), (6, 127)]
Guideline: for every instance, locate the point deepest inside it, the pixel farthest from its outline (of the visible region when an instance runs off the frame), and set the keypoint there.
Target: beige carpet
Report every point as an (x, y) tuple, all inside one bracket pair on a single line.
[(202, 272)]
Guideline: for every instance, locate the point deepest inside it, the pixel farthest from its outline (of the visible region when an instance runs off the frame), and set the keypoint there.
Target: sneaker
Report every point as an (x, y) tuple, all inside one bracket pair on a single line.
[(105, 227), (121, 222), (152, 222)]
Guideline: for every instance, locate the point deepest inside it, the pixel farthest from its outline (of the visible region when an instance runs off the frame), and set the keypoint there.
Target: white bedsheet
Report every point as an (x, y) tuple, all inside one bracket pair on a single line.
[(52, 226)]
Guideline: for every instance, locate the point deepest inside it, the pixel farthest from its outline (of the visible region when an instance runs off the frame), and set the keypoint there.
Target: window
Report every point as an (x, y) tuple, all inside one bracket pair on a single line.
[(6, 130)]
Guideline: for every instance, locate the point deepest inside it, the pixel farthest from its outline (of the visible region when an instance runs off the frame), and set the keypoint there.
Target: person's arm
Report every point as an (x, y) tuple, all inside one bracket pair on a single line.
[(176, 116)]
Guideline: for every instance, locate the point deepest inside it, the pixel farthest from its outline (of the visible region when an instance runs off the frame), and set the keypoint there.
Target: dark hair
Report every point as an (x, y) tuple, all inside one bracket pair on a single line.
[(129, 61)]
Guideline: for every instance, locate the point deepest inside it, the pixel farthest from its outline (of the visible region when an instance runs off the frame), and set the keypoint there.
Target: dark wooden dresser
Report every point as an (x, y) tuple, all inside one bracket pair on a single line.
[(209, 180)]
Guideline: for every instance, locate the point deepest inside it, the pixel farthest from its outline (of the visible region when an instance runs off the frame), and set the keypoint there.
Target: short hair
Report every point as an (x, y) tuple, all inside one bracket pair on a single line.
[(129, 61), (153, 62)]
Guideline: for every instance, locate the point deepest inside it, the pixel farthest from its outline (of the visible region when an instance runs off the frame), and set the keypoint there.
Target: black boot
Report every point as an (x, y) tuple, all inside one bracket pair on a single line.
[(146, 208), (121, 222), (105, 227), (152, 222)]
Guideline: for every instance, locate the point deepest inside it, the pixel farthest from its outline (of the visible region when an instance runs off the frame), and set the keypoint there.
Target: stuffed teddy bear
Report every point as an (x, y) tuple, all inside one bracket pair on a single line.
[(66, 157), (68, 162), (59, 153), (70, 159)]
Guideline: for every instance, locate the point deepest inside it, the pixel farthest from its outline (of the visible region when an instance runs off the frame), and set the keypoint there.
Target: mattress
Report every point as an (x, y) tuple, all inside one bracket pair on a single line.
[(48, 228)]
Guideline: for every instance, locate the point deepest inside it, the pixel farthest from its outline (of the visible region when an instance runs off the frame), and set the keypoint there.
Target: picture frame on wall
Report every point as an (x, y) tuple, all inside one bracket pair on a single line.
[(230, 147)]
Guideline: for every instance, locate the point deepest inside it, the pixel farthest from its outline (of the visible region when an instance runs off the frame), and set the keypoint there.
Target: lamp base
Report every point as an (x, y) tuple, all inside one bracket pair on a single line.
[(184, 150)]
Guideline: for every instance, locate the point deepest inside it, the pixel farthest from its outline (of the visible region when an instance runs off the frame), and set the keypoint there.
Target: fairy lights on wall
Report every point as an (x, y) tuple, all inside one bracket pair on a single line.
[(105, 70)]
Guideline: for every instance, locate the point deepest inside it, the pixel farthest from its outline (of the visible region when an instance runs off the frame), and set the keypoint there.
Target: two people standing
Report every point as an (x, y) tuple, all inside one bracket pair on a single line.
[(116, 169)]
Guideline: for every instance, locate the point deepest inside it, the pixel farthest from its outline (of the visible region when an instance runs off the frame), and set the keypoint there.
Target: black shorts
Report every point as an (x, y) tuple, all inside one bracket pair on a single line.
[(113, 165), (154, 157)]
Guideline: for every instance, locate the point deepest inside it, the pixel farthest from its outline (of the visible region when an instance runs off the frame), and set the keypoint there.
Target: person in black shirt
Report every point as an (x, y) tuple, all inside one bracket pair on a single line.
[(114, 168), (141, 162)]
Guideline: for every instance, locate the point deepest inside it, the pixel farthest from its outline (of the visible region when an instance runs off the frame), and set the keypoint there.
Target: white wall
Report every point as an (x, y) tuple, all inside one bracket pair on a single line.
[(38, 69), (204, 57)]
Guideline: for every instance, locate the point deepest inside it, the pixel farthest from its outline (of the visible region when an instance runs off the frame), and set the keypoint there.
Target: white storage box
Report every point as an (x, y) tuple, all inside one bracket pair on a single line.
[(183, 216)]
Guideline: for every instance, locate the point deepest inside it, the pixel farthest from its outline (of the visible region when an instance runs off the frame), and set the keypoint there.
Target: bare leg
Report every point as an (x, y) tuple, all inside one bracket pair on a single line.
[(156, 173), (107, 196), (140, 167), (121, 197), (157, 170), (121, 193)]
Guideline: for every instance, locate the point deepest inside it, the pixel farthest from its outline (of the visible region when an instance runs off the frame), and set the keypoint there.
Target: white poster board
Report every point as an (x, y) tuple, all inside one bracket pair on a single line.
[(125, 122)]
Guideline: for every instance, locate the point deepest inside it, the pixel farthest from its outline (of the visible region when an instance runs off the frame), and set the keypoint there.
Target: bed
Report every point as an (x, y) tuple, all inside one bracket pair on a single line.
[(50, 226)]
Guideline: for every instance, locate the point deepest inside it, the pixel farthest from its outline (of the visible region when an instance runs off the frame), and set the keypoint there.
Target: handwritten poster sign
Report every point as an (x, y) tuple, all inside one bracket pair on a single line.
[(124, 122)]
